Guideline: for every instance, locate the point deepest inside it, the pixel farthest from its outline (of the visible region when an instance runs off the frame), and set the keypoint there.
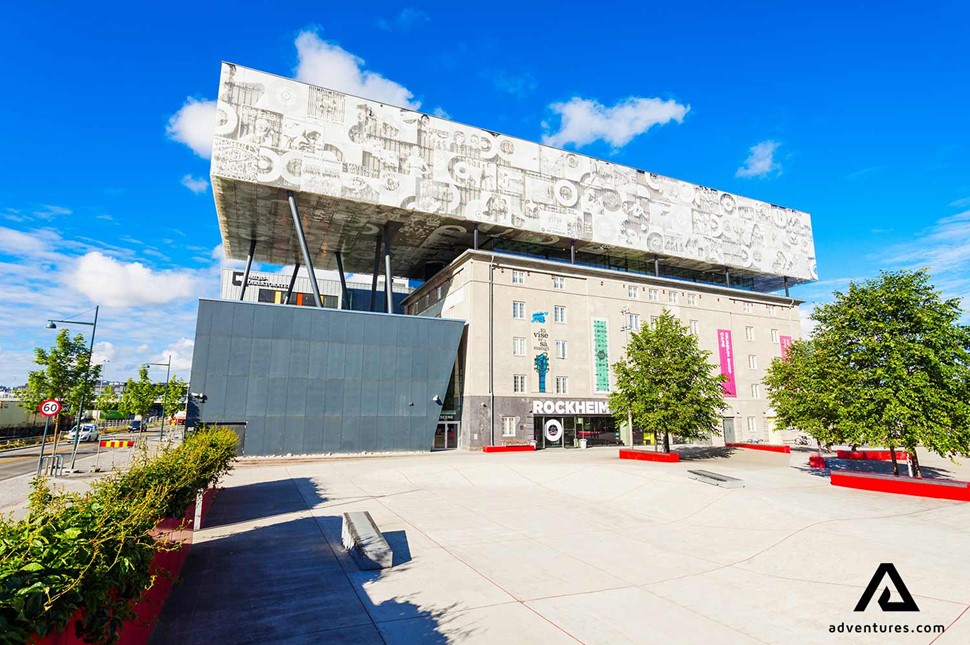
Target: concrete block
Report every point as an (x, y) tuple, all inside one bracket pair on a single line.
[(365, 542), (715, 479)]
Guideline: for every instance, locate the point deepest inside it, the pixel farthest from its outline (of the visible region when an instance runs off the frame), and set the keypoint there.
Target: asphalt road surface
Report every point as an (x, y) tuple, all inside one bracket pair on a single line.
[(22, 461)]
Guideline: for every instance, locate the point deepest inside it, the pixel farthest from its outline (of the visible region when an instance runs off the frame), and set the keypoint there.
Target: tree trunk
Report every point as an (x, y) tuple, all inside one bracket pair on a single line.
[(656, 441), (913, 459), (666, 442), (892, 454)]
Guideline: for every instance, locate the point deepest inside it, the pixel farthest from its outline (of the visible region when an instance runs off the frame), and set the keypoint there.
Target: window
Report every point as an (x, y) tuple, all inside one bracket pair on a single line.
[(756, 390), (560, 349), (559, 314), (692, 298), (694, 327), (508, 426), (518, 346), (672, 297), (653, 321), (562, 385), (752, 426), (518, 310), (558, 282), (774, 335), (773, 311), (518, 383), (632, 292), (752, 361), (749, 333), (633, 322), (652, 295), (518, 277), (747, 307)]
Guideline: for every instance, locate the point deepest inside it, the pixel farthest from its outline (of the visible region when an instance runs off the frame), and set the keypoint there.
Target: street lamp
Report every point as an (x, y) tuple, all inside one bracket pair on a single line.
[(168, 373), (80, 405)]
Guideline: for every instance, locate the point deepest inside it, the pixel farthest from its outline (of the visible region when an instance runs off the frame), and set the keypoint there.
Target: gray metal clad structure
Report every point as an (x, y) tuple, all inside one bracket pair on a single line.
[(307, 380)]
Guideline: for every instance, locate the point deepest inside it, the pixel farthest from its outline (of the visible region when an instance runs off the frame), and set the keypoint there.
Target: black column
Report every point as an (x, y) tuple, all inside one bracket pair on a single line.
[(289, 290), (249, 265), (304, 248)]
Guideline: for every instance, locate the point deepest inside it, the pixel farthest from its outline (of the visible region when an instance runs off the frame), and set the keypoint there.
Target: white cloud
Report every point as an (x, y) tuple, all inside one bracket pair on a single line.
[(104, 352), (107, 281), (193, 125), (404, 21), (329, 65), (583, 121), (219, 255), (181, 353), (963, 202), (514, 84), (197, 185), (761, 161), (440, 113)]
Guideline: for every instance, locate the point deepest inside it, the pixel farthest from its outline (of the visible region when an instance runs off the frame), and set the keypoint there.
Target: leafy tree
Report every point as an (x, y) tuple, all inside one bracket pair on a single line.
[(66, 374), (106, 401), (140, 395), (896, 365), (800, 389), (173, 396), (667, 383)]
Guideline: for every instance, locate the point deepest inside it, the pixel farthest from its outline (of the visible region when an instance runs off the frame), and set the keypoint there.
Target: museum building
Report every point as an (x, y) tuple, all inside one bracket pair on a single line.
[(505, 279)]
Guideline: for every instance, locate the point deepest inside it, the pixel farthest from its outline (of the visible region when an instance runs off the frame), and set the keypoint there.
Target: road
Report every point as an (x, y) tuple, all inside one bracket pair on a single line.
[(22, 461)]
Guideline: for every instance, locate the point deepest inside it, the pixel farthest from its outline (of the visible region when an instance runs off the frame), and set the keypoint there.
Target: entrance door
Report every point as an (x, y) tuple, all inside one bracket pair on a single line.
[(446, 435), (728, 424)]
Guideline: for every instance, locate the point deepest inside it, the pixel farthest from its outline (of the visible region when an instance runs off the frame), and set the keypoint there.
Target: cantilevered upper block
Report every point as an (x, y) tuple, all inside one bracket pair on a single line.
[(356, 164)]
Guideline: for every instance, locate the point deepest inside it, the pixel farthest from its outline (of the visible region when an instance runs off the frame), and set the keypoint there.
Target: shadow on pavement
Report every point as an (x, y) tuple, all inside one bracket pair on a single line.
[(706, 452), (285, 582)]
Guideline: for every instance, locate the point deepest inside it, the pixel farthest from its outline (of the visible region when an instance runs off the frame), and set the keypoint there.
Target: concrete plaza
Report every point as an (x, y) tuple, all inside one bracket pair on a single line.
[(566, 546)]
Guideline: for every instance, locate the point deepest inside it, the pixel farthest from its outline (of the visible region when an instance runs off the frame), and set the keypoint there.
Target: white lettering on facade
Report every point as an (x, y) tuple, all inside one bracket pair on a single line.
[(537, 407), (560, 406)]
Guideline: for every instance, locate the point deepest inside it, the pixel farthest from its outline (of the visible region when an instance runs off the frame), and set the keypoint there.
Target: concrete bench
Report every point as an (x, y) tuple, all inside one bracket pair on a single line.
[(365, 542), (708, 477)]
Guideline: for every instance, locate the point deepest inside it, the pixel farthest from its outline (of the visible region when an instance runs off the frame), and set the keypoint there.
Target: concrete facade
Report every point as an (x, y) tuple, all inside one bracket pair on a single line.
[(596, 308), (306, 380)]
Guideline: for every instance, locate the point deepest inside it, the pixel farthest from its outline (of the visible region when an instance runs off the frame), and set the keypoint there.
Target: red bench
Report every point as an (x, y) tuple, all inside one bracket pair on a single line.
[(643, 455)]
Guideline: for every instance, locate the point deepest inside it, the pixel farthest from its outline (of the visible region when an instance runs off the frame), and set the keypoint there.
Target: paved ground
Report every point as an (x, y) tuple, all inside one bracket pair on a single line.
[(564, 546)]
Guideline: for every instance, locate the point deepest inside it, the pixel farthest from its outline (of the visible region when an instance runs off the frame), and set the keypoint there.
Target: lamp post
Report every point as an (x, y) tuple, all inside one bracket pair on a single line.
[(626, 327), (168, 374), (80, 405)]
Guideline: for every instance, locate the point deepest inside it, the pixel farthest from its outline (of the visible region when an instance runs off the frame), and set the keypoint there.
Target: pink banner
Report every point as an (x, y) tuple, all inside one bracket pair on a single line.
[(785, 344), (726, 349)]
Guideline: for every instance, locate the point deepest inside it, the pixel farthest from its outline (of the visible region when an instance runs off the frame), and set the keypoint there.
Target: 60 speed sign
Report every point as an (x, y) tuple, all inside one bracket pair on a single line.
[(50, 408)]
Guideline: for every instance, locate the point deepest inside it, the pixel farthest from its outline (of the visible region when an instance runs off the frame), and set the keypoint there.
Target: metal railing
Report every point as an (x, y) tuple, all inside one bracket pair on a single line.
[(52, 465)]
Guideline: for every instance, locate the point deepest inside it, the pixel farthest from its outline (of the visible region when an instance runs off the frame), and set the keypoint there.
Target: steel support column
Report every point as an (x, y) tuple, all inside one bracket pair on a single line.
[(387, 269), (727, 277), (475, 237), (249, 265), (572, 251), (377, 270), (344, 299), (786, 287), (656, 266), (304, 248), (289, 290)]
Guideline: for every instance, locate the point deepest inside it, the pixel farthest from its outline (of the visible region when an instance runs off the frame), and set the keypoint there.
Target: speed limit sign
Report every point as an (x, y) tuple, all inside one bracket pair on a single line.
[(50, 408)]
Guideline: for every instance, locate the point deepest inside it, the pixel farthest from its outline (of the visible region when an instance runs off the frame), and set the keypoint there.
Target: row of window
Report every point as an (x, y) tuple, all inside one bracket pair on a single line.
[(518, 312), (518, 384)]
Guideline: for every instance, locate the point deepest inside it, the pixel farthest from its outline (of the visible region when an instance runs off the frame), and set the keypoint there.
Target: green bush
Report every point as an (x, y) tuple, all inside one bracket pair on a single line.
[(93, 551)]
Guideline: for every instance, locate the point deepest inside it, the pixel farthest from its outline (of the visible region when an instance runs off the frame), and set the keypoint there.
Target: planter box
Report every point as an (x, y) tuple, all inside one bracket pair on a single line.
[(523, 448), (643, 455), (880, 455), (166, 564), (767, 447), (935, 488), (816, 461)]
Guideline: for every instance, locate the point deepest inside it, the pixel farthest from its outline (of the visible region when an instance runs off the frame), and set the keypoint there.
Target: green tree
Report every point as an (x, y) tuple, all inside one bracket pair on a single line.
[(66, 374), (667, 383), (897, 365), (801, 391), (140, 395), (173, 396), (106, 401)]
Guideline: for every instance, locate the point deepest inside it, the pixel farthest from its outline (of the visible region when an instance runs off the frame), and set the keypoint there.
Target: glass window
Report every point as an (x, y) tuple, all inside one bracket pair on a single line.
[(632, 292), (558, 282), (773, 311), (752, 426), (562, 385), (756, 390), (653, 321), (508, 426), (633, 322), (692, 298), (752, 361), (694, 325), (518, 310), (749, 333), (774, 335), (559, 314), (652, 295), (747, 307), (560, 349), (518, 346), (672, 297), (518, 277), (518, 383)]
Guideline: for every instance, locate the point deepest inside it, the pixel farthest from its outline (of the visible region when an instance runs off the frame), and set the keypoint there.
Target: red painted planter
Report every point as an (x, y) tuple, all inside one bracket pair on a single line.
[(166, 564), (527, 448), (643, 455), (881, 455), (767, 447), (816, 461), (935, 488)]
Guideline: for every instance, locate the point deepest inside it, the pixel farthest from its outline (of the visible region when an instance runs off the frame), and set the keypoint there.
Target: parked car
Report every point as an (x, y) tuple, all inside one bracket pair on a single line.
[(136, 426), (89, 432)]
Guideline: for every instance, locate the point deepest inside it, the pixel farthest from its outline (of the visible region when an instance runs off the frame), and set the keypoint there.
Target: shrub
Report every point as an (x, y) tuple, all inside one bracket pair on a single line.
[(93, 551)]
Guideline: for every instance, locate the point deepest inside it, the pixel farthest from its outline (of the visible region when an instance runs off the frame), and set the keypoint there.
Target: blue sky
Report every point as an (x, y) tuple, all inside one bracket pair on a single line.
[(854, 112)]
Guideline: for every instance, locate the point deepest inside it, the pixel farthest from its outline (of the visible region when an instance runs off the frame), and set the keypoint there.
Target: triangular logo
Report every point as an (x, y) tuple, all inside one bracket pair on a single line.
[(906, 604)]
